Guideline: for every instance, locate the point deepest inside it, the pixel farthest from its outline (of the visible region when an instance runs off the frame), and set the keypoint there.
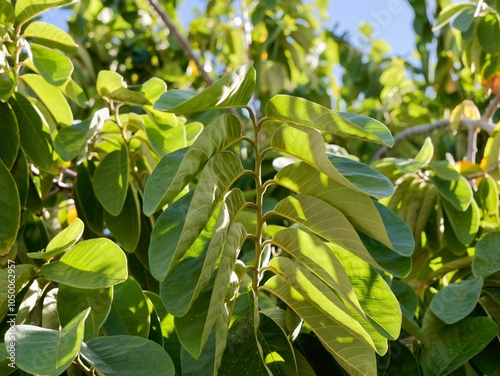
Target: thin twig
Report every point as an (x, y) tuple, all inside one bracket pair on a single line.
[(181, 39), (492, 107)]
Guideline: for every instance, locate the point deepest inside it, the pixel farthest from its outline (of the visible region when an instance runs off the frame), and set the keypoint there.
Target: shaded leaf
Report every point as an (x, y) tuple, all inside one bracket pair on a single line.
[(10, 136), (457, 192), (127, 356), (488, 33), (486, 259), (465, 293), (10, 210), (48, 352), (72, 299), (465, 224), (111, 180)]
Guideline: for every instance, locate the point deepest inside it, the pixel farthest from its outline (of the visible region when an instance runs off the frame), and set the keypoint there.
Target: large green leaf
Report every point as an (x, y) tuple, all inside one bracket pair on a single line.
[(364, 177), (486, 259), (452, 345), (465, 224), (71, 300), (374, 295), (465, 293), (23, 274), (457, 192), (309, 114), (177, 169), (195, 327), (233, 90), (313, 253), (27, 9), (70, 142), (20, 173), (10, 210), (318, 216), (129, 313), (221, 171), (111, 181), (10, 135), (308, 145), (319, 295), (51, 97), (43, 351), (35, 137), (127, 356), (6, 13), (400, 234), (126, 226), (8, 83), (93, 264), (353, 354), (357, 207), (62, 241), (53, 65), (50, 36), (165, 132)]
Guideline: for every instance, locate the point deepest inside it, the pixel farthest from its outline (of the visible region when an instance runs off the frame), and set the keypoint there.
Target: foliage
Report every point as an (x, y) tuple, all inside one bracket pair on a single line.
[(234, 225)]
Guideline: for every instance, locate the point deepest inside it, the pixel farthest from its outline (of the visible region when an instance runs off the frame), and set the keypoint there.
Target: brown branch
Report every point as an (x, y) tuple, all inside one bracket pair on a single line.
[(186, 47)]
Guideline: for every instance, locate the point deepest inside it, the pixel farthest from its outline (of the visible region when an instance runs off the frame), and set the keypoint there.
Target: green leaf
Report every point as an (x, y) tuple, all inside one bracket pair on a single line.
[(111, 180), (112, 86), (454, 302), (87, 205), (425, 154), (10, 135), (486, 259), (398, 231), (74, 92), (444, 170), (401, 361), (221, 171), (8, 83), (70, 142), (92, 264), (195, 326), (450, 11), (23, 275), (27, 9), (452, 345), (364, 177), (50, 36), (34, 135), (357, 207), (53, 65), (488, 201), (465, 224), (20, 174), (374, 295), (276, 348), (490, 301), (72, 299), (129, 312), (488, 33), (62, 241), (242, 339), (51, 97), (456, 192), (6, 13), (165, 132), (308, 145), (176, 170), (10, 210), (465, 19), (308, 114), (318, 217), (126, 226), (353, 354), (233, 90), (43, 351), (127, 356)]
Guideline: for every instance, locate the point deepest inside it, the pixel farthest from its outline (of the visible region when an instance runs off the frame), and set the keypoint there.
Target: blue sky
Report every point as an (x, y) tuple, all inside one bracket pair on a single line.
[(391, 20)]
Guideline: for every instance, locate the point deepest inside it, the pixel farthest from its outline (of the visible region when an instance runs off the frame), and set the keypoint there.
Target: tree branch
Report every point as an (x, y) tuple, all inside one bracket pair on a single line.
[(492, 107), (186, 47)]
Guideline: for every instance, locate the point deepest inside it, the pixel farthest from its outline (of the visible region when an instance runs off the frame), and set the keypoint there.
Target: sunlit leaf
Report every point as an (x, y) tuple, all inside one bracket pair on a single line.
[(53, 65), (50, 36)]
